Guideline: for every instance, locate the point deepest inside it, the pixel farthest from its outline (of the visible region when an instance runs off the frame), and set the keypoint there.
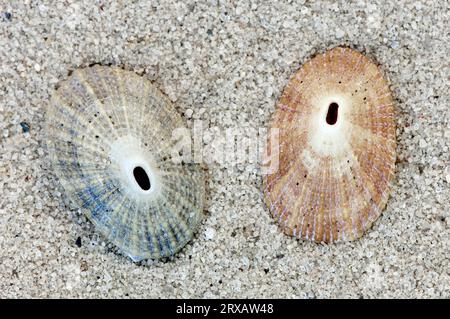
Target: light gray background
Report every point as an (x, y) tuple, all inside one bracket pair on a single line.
[(226, 62)]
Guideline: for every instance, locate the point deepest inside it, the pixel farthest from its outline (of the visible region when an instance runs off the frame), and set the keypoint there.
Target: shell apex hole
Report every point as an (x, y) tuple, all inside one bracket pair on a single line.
[(332, 114), (141, 177)]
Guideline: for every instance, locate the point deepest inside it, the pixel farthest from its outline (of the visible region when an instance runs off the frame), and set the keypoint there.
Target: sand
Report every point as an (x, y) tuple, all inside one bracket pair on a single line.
[(225, 63)]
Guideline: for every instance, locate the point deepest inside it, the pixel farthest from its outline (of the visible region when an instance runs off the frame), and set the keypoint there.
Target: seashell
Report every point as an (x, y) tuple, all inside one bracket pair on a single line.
[(109, 140), (336, 148)]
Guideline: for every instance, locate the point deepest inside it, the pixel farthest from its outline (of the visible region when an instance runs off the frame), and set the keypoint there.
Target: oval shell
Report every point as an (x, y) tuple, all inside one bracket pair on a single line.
[(109, 136), (336, 148)]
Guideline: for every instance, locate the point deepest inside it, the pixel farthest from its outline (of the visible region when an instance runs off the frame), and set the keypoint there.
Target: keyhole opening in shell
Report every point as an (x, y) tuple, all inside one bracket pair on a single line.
[(332, 114), (141, 178)]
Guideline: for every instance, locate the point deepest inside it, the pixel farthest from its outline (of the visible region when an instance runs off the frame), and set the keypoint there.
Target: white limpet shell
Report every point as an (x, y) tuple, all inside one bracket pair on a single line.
[(109, 138), (337, 146)]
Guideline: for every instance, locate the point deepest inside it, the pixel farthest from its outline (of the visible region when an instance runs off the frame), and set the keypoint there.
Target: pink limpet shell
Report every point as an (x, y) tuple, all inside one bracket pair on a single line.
[(337, 146)]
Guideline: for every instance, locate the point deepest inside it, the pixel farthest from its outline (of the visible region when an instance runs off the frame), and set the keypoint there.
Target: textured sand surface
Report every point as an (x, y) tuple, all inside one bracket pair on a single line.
[(226, 63)]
